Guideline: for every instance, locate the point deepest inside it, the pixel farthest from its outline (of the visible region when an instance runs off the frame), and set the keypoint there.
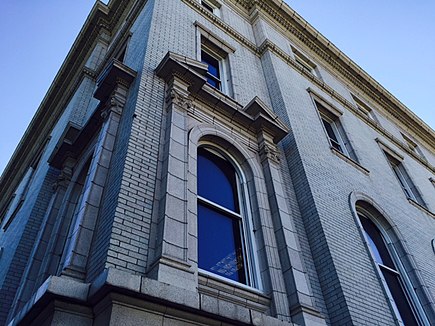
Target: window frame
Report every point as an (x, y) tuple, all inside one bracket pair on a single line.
[(253, 280), (332, 116), (412, 145), (336, 132), (304, 62), (221, 56), (220, 68), (365, 109), (404, 179), (211, 6), (400, 271)]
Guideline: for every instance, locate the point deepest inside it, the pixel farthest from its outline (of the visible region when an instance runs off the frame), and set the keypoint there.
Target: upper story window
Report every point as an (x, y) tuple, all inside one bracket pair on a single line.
[(304, 62), (222, 224), (413, 146), (399, 291), (212, 6), (122, 52), (365, 109), (218, 68), (214, 69), (335, 132), (405, 181)]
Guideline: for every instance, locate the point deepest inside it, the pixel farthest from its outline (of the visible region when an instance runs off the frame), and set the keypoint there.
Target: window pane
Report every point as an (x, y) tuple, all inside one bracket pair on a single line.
[(217, 180), (213, 64), (207, 6), (219, 244), (377, 243), (399, 296), (213, 82), (332, 136)]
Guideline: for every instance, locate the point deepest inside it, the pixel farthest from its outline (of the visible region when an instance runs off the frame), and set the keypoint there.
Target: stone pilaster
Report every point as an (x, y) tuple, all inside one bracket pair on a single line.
[(84, 224), (299, 293), (171, 264)]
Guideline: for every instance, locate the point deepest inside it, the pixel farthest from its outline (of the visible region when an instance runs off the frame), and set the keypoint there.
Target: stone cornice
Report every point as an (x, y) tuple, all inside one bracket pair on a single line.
[(424, 132), (338, 61), (102, 17), (328, 53), (255, 117)]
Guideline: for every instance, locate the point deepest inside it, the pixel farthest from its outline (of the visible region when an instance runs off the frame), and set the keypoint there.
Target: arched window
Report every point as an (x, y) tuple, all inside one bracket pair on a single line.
[(395, 282), (222, 237)]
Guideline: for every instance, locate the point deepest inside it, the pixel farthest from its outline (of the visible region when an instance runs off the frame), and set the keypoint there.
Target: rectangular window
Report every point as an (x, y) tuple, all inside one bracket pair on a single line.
[(214, 69), (413, 146), (17, 199), (365, 109), (212, 6), (218, 68), (335, 132), (405, 181), (304, 62)]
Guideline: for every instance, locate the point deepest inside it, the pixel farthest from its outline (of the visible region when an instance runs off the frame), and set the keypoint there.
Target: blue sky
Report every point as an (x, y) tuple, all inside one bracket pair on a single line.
[(391, 40)]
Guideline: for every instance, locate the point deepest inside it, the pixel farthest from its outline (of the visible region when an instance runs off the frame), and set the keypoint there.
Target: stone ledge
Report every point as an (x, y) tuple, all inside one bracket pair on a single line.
[(132, 289)]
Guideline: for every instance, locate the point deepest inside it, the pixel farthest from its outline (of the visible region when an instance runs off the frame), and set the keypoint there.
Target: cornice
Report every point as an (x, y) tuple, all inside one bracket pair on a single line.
[(194, 4), (321, 47), (61, 90), (339, 62), (424, 132)]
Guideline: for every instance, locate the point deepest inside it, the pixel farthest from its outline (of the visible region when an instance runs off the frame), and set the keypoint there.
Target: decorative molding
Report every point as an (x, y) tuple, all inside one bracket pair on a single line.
[(68, 79), (389, 150), (350, 161), (194, 4), (66, 174), (89, 73), (269, 152), (328, 53), (182, 101), (421, 207)]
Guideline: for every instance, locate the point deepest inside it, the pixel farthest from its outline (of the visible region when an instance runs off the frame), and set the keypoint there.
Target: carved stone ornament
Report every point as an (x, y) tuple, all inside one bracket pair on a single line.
[(180, 100), (64, 177), (114, 104), (270, 152)]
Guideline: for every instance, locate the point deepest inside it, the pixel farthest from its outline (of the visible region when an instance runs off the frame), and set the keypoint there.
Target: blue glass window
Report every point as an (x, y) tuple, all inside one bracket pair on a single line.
[(220, 230), (220, 248), (217, 180), (213, 74)]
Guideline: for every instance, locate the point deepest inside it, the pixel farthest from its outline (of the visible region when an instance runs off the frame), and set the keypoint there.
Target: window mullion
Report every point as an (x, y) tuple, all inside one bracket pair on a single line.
[(219, 207)]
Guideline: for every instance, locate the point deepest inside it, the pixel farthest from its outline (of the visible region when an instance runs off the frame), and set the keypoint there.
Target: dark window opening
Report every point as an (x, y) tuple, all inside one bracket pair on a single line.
[(221, 244), (213, 73), (390, 273)]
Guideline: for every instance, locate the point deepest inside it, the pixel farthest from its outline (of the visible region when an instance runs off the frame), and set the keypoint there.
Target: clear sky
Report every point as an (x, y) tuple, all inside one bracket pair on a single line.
[(391, 40)]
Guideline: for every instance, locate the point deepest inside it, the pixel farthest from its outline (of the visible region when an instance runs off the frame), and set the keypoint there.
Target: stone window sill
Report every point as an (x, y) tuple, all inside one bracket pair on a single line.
[(350, 161), (239, 294)]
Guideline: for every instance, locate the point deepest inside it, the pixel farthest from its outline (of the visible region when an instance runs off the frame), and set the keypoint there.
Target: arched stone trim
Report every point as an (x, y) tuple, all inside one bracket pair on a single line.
[(361, 202), (227, 142), (248, 164), (264, 218)]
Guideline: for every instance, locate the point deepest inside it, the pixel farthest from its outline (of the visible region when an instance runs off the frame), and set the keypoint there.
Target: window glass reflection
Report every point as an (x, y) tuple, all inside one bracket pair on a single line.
[(219, 245)]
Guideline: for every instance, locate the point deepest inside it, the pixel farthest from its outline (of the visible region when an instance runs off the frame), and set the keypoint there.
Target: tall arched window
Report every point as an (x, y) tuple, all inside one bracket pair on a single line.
[(398, 289), (222, 237)]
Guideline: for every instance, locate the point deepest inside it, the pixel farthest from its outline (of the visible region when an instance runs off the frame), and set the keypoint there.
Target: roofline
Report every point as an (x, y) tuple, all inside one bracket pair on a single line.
[(102, 17), (387, 100)]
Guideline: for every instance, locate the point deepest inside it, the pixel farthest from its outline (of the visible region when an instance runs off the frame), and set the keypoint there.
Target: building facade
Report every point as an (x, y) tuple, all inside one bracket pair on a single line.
[(217, 162)]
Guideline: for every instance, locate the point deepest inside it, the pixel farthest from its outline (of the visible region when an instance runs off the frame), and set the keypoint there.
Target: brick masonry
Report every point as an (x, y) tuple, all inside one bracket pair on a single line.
[(313, 261)]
